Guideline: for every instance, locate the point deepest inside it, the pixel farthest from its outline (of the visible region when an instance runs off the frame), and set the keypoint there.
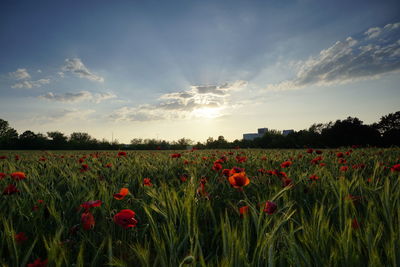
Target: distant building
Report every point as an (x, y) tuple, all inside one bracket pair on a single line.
[(262, 131), (286, 132), (250, 136)]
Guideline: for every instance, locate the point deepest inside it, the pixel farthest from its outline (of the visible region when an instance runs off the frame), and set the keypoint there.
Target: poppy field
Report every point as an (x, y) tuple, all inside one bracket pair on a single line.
[(239, 207)]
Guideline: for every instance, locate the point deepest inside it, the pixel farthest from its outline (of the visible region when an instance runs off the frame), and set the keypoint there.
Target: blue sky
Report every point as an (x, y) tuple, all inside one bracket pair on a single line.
[(172, 69)]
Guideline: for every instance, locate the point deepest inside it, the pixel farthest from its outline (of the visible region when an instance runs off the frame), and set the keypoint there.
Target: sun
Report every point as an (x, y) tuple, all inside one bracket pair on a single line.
[(208, 113)]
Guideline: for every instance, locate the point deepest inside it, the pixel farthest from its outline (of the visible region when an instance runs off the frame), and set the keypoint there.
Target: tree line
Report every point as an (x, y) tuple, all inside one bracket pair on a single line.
[(347, 132)]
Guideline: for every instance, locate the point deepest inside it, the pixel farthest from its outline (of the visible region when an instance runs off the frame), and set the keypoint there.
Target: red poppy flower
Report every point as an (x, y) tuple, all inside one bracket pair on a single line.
[(90, 204), (235, 170), (279, 173), (354, 224), (122, 193), (20, 237), (38, 263), (81, 160), (201, 190), (84, 167), (358, 166), (395, 168), (125, 218), (340, 155), (344, 168), (18, 176), (217, 167), (16, 157), (36, 207), (322, 164), (10, 189), (310, 150), (176, 155), (222, 159), (270, 207), (121, 154), (3, 157), (225, 172), (108, 165), (240, 159), (243, 210), (287, 181), (184, 177), (238, 180), (319, 152), (286, 164), (147, 182), (262, 170), (87, 220), (2, 175), (342, 161), (316, 160), (313, 177)]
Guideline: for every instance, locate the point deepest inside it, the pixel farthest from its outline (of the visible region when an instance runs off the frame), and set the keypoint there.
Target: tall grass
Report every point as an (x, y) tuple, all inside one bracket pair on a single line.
[(349, 218)]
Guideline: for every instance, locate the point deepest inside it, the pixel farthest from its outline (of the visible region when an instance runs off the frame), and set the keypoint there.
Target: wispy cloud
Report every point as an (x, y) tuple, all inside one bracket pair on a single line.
[(75, 66), (20, 74), (31, 84), (374, 53), (69, 114), (199, 100), (78, 97)]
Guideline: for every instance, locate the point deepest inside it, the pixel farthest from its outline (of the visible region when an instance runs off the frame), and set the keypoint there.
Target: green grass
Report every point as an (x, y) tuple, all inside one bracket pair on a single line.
[(178, 226)]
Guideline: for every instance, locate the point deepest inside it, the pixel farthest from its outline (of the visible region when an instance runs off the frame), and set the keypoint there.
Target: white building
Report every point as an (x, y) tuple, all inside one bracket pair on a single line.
[(286, 132), (262, 131), (252, 136)]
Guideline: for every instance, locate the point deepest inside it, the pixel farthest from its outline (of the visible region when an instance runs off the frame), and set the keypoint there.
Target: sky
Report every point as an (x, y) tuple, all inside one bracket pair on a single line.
[(196, 68)]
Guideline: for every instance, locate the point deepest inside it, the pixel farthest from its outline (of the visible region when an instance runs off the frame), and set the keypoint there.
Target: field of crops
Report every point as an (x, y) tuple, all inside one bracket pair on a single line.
[(200, 208)]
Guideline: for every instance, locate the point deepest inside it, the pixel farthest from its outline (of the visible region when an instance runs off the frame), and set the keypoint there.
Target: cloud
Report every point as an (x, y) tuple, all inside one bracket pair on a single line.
[(78, 97), (198, 101), (374, 53), (75, 65), (20, 74), (66, 115), (68, 97), (31, 84)]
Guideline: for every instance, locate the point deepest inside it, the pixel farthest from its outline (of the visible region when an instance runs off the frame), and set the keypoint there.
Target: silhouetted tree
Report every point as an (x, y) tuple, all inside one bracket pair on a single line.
[(388, 122), (30, 140), (350, 131), (8, 135), (79, 140), (58, 140)]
